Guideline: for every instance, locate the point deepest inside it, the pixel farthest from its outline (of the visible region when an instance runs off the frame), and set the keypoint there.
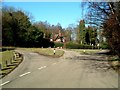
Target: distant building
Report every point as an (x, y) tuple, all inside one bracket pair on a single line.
[(58, 37)]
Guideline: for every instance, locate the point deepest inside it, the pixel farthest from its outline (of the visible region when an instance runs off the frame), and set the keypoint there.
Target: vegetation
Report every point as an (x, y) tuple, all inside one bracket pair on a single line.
[(8, 62), (106, 17), (103, 19), (20, 31), (105, 45), (58, 44), (6, 55), (81, 32), (86, 51), (86, 35), (50, 52), (45, 51), (71, 45)]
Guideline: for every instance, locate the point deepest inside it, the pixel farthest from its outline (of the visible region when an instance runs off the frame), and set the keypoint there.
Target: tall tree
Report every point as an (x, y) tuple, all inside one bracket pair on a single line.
[(17, 28), (68, 33), (107, 16), (45, 28), (7, 36), (87, 38), (112, 28), (81, 32), (0, 28)]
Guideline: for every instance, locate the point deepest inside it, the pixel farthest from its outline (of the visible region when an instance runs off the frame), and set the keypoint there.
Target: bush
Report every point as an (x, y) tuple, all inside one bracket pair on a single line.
[(46, 43), (58, 44), (105, 45), (87, 47), (71, 45)]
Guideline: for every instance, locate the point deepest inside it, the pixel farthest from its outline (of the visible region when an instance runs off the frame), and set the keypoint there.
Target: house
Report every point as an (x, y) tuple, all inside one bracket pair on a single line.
[(58, 37)]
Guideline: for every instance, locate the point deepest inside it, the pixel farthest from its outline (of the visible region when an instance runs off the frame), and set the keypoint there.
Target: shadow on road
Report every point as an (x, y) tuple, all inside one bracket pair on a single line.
[(95, 62)]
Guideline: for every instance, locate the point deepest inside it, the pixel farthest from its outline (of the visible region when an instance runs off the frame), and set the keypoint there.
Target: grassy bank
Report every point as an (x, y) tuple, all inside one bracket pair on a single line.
[(86, 51), (45, 51), (8, 63), (6, 55)]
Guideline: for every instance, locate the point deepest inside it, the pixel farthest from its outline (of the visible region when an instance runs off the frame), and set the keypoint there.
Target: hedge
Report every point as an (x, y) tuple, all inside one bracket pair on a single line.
[(58, 44), (71, 45), (105, 45), (79, 46)]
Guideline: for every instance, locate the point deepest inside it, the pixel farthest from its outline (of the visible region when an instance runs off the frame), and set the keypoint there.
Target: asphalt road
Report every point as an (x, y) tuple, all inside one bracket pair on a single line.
[(70, 71)]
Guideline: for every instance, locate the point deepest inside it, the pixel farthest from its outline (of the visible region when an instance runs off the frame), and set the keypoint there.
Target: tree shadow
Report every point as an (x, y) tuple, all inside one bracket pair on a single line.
[(91, 58)]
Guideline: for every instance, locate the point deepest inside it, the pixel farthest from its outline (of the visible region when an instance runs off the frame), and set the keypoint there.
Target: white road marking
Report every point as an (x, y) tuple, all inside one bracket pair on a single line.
[(24, 74), (42, 67), (53, 63), (4, 83)]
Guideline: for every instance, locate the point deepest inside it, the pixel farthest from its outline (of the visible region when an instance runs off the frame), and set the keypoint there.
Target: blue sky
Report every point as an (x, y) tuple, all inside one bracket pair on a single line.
[(64, 13)]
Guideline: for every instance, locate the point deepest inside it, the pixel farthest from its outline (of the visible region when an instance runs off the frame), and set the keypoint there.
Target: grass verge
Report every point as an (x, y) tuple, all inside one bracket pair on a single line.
[(6, 55), (8, 63), (114, 61), (46, 51), (86, 51)]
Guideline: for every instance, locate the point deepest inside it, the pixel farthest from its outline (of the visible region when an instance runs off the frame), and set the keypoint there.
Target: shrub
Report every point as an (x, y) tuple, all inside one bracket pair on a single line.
[(58, 44), (71, 45), (105, 45)]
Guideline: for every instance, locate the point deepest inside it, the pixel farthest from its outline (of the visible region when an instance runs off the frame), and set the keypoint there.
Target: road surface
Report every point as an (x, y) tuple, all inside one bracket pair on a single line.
[(73, 70)]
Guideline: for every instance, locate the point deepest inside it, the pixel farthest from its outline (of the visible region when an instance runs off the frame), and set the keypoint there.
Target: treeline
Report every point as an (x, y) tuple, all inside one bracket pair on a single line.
[(103, 19), (106, 17), (18, 30), (86, 35)]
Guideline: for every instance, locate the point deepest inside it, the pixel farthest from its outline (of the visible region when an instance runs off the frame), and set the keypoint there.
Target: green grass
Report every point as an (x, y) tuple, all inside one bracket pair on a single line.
[(11, 64), (86, 51), (6, 55), (46, 51)]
